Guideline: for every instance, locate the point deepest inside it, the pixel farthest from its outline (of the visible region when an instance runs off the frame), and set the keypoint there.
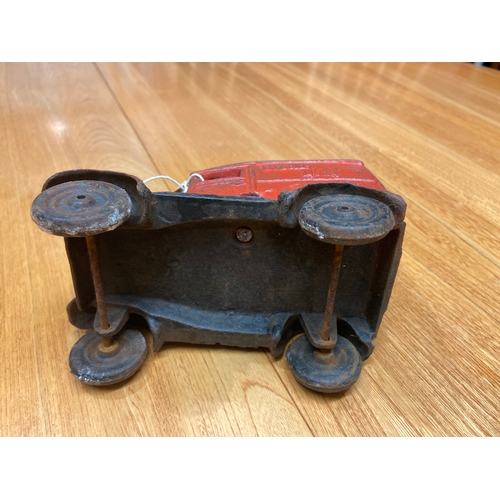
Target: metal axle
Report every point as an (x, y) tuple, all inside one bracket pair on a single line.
[(332, 291), (99, 289)]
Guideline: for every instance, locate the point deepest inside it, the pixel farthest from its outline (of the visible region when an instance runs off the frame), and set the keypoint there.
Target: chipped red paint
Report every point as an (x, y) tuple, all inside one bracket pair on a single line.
[(267, 179)]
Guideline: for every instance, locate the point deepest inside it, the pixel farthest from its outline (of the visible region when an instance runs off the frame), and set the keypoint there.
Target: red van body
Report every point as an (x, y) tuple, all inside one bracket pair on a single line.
[(267, 179)]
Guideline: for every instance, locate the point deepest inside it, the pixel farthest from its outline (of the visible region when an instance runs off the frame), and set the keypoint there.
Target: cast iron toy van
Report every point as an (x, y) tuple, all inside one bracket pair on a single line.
[(253, 254)]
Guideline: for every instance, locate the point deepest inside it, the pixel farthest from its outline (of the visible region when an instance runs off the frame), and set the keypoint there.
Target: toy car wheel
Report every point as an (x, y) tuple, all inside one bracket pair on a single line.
[(81, 208), (324, 371), (94, 364), (346, 219)]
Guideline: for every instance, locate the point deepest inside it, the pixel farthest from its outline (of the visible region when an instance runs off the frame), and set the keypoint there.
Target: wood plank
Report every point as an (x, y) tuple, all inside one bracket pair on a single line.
[(62, 116), (430, 133), (21, 408)]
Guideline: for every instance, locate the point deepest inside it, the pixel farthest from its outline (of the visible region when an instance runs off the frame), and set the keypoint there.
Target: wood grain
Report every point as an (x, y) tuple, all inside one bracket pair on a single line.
[(430, 132)]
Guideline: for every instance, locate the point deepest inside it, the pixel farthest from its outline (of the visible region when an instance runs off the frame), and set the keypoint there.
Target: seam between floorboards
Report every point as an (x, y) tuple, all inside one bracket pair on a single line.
[(357, 105), (31, 304), (115, 98), (470, 242), (458, 290), (313, 434), (35, 334)]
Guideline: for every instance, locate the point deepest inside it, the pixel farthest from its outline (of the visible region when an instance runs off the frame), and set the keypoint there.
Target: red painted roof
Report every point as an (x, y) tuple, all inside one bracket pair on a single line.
[(267, 179)]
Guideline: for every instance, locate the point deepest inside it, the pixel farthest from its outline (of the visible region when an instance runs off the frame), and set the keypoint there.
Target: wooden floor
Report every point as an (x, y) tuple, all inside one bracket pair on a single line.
[(430, 132)]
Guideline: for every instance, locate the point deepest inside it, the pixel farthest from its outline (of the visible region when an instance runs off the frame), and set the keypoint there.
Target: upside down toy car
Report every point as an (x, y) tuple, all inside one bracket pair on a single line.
[(258, 254)]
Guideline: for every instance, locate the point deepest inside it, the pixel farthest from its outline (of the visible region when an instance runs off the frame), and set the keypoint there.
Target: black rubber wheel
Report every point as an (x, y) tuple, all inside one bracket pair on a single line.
[(346, 219), (92, 364), (81, 208), (333, 371)]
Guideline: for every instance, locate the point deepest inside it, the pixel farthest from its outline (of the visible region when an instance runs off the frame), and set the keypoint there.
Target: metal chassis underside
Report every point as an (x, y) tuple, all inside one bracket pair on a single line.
[(175, 302)]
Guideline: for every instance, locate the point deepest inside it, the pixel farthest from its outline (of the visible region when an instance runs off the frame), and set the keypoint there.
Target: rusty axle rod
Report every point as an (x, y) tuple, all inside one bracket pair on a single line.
[(98, 287), (332, 291)]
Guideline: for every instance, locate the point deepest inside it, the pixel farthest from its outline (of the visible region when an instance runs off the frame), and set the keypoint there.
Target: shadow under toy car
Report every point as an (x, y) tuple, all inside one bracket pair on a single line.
[(252, 255)]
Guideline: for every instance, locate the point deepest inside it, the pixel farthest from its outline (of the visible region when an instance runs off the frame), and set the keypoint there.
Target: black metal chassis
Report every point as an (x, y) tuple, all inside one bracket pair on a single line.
[(177, 263)]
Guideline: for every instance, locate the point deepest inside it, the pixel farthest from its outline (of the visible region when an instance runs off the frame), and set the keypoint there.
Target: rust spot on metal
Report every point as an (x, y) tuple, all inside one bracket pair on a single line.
[(108, 345), (244, 234)]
